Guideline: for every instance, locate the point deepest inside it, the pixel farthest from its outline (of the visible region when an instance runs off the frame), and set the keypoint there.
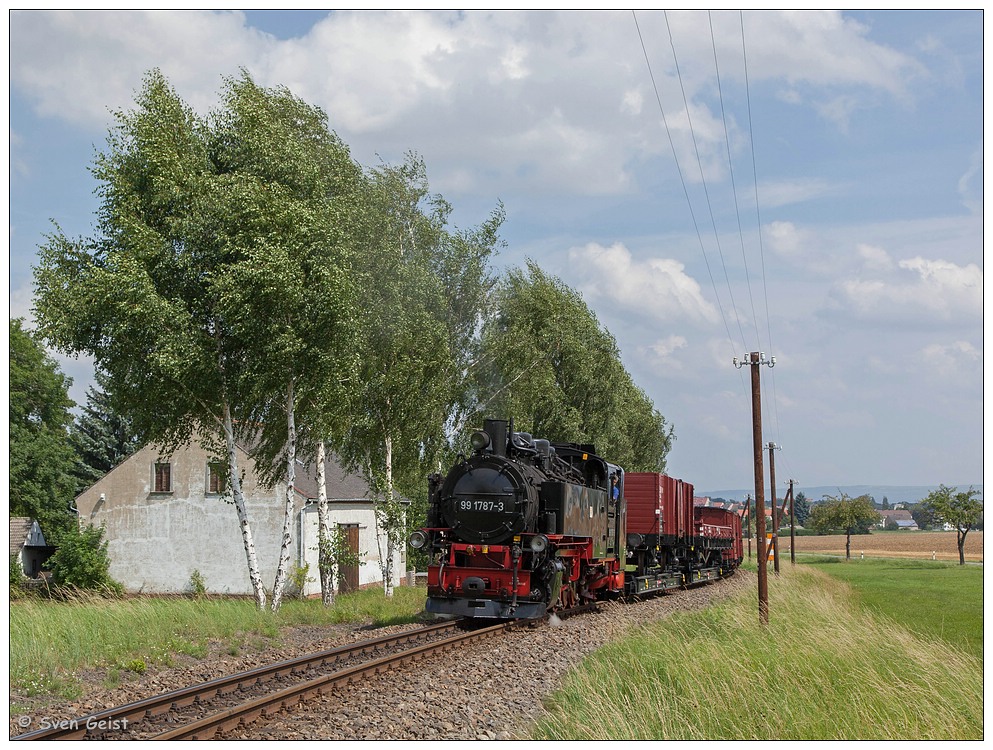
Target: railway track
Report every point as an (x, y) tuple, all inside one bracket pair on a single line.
[(212, 708)]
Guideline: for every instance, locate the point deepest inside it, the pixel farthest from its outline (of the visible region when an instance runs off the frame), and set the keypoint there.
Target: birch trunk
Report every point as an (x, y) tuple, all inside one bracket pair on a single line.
[(291, 459), (239, 503), (325, 559), (390, 532)]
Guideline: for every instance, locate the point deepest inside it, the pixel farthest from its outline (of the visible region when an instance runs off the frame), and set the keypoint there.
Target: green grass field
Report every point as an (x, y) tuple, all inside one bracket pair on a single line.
[(50, 641), (827, 667), (941, 600)]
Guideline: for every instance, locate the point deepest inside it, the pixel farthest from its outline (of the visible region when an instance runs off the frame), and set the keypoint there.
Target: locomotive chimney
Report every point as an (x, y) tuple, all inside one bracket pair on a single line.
[(497, 430)]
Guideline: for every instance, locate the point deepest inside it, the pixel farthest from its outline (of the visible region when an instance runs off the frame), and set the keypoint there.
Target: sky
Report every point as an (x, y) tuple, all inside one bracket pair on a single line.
[(806, 184)]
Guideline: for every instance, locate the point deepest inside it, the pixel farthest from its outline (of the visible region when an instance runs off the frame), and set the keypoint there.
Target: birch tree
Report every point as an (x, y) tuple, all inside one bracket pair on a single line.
[(142, 296), (325, 560), (216, 292), (431, 283), (293, 293)]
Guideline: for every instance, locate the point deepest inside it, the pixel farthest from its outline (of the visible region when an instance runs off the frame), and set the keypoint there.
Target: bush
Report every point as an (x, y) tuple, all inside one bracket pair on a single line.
[(17, 578), (198, 584), (297, 582), (81, 562)]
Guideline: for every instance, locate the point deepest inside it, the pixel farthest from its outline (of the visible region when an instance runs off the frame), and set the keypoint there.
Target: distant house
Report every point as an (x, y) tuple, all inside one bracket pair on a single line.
[(707, 502), (166, 517), (901, 518), (28, 545)]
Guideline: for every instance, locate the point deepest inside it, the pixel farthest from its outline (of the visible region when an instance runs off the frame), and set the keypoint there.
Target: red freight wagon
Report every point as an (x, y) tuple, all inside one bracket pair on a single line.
[(714, 522), (739, 550), (658, 505), (719, 528)]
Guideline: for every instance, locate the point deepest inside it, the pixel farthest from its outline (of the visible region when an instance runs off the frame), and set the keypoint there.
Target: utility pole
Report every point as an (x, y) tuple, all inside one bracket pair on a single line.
[(754, 360), (792, 526), (748, 523), (775, 506)]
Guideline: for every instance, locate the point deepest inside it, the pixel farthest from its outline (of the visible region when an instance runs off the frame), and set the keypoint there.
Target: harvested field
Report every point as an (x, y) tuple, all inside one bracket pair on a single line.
[(912, 544)]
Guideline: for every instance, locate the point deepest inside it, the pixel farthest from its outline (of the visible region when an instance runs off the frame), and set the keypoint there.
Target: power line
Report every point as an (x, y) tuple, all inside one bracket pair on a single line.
[(703, 179), (758, 215), (682, 180), (734, 189)]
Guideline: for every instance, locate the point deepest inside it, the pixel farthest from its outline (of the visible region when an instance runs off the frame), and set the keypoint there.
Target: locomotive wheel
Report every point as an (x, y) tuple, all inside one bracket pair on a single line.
[(567, 597)]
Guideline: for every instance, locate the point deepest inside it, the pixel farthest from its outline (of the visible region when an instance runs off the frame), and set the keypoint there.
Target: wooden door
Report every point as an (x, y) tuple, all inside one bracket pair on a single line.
[(348, 575)]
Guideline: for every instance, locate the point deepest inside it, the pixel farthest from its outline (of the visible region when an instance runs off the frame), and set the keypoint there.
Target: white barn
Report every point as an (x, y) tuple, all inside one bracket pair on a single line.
[(166, 518)]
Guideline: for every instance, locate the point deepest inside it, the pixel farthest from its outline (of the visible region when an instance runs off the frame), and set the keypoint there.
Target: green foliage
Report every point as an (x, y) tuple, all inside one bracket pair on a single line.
[(429, 286), (923, 516), (100, 435), (41, 457), (197, 585), (553, 368), (17, 577), (852, 515), (802, 509), (81, 562), (960, 509), (716, 675), (218, 281), (137, 666), (297, 581)]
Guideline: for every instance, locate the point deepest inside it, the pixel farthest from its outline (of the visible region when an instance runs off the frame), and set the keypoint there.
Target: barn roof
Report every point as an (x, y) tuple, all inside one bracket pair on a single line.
[(347, 485), (19, 530)]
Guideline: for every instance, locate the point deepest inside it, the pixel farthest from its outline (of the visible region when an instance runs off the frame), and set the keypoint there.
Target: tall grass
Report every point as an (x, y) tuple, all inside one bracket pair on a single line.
[(52, 641), (822, 669)]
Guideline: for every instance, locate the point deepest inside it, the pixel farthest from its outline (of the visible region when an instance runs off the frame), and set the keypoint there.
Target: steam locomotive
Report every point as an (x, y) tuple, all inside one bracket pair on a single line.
[(524, 526)]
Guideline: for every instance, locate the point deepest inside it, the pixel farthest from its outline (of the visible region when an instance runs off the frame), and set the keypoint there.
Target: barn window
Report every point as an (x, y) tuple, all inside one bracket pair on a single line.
[(215, 479), (163, 477)]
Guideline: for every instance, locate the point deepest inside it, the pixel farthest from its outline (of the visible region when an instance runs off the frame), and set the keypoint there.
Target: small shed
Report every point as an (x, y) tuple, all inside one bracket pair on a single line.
[(28, 545)]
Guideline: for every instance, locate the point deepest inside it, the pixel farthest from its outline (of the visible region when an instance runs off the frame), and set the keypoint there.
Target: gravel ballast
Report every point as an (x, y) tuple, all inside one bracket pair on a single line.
[(491, 690)]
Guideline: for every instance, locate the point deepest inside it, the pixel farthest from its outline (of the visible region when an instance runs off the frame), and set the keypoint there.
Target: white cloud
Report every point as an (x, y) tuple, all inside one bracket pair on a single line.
[(875, 258), (970, 188), (838, 109), (18, 165), (790, 192), (539, 98), (786, 239), (949, 359), (662, 350), (825, 49), (79, 65), (935, 289), (655, 287)]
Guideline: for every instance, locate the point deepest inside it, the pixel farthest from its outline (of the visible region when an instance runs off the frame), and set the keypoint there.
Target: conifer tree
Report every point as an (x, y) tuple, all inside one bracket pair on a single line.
[(100, 435)]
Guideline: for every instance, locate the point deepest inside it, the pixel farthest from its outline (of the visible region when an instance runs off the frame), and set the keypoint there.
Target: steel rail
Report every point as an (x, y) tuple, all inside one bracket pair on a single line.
[(207, 727)]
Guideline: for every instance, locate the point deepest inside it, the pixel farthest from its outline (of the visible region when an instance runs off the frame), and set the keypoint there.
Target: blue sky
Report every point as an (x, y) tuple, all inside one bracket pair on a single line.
[(863, 253)]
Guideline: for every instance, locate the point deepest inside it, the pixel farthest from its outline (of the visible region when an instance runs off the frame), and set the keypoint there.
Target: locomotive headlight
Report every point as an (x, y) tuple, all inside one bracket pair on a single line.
[(418, 539), (479, 440), (539, 543)]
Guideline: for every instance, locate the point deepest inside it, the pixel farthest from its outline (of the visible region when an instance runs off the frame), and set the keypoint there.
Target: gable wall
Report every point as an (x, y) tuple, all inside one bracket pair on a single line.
[(156, 540)]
